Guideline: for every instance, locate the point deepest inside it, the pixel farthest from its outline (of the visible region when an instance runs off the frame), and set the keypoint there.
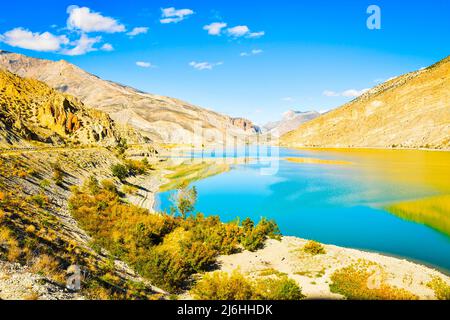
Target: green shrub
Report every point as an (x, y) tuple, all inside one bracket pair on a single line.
[(40, 199), (58, 174), (253, 238), (127, 189), (120, 171), (109, 185), (122, 146), (44, 184), (135, 167), (313, 248), (222, 286), (279, 288), (440, 287), (92, 185)]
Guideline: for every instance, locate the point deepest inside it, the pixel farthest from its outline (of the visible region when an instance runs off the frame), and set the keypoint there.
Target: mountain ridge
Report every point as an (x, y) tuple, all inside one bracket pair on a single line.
[(409, 111), (160, 118)]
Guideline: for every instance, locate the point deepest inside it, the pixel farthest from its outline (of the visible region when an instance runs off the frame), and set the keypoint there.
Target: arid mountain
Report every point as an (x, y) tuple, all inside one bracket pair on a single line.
[(290, 121), (160, 118), (32, 111), (410, 111)]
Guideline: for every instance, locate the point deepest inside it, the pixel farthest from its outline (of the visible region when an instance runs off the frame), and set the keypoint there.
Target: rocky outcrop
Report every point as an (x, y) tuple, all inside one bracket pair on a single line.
[(17, 282), (30, 110), (410, 111), (160, 118)]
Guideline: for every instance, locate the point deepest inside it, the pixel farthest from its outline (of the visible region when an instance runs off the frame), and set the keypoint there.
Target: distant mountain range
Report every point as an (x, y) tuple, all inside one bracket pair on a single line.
[(159, 118), (291, 120), (409, 111)]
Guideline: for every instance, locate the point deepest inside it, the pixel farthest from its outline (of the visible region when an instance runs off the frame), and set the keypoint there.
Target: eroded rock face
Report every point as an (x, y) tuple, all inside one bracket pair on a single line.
[(30, 110), (410, 111), (160, 118)]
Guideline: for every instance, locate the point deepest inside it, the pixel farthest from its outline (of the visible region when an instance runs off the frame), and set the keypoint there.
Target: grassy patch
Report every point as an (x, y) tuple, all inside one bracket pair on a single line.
[(188, 172), (365, 281)]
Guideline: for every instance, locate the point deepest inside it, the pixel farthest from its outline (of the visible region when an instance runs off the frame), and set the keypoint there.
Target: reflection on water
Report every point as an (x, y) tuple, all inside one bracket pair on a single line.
[(386, 200)]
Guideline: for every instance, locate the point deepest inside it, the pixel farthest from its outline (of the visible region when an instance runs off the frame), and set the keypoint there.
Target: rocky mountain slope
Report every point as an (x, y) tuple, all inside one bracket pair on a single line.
[(291, 120), (412, 111), (160, 118), (32, 111)]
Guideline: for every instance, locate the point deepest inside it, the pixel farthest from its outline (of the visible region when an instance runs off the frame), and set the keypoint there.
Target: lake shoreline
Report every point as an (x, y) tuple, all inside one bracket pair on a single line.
[(313, 272)]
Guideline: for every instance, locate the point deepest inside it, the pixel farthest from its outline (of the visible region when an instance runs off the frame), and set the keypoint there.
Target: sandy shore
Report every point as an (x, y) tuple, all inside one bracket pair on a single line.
[(312, 272)]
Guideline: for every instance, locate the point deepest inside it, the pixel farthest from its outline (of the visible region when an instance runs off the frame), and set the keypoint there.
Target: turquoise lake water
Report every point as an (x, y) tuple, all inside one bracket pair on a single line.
[(333, 204)]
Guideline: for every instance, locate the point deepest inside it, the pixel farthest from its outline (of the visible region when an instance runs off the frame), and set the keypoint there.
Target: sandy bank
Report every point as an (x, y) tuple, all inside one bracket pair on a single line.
[(313, 273)]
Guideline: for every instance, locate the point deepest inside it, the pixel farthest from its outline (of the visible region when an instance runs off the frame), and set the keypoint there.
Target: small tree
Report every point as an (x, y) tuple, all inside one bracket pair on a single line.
[(120, 171), (184, 200)]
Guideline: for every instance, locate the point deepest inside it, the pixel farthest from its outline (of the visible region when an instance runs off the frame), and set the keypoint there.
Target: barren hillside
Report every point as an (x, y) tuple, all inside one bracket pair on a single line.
[(162, 119), (410, 111)]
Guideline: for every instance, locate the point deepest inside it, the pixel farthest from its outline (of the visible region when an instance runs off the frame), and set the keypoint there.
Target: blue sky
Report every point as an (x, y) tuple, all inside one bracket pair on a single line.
[(270, 56)]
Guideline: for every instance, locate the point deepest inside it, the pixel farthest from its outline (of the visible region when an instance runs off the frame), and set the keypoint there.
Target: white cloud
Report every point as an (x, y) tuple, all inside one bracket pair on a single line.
[(82, 18), (256, 34), (347, 93), (138, 30), (144, 64), (215, 28), (238, 31), (82, 46), (204, 65), (254, 52), (25, 39), (172, 15), (241, 31), (107, 47)]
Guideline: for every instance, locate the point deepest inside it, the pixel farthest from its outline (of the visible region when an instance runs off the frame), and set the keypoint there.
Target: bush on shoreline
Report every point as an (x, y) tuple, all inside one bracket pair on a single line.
[(235, 286), (364, 281), (163, 248), (314, 248)]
